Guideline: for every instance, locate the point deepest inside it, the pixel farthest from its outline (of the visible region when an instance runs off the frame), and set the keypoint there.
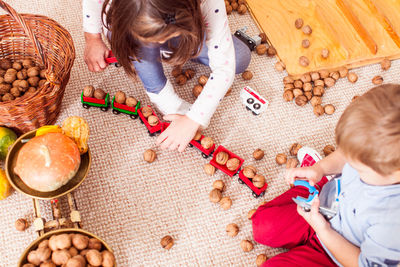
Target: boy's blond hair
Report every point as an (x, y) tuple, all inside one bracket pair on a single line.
[(369, 129)]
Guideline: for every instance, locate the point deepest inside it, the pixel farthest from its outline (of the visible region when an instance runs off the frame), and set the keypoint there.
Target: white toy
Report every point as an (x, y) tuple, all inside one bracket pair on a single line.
[(253, 101)]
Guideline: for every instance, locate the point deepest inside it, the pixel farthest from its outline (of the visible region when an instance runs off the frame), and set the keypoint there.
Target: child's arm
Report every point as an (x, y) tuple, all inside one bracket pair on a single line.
[(332, 164)]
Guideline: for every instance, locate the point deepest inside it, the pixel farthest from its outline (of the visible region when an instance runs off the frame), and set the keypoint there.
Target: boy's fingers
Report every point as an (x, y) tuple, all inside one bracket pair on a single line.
[(315, 205)]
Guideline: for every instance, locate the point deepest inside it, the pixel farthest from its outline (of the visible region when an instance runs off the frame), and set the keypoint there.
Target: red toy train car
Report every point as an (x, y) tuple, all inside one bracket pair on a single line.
[(223, 167), (257, 192), (153, 130)]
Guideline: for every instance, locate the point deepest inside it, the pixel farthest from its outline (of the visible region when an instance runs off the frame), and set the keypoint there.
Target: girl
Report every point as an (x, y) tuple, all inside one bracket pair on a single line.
[(186, 29)]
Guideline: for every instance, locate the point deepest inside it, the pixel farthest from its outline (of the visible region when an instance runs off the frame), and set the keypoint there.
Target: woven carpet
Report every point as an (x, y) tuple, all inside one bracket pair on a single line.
[(132, 204)]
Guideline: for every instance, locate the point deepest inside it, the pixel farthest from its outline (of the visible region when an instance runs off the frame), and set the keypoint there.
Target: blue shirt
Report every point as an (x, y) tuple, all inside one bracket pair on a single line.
[(368, 217)]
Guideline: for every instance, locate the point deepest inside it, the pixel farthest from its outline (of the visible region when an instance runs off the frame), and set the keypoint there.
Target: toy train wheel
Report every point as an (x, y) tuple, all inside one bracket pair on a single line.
[(116, 112), (262, 194), (152, 134), (255, 114), (204, 155), (190, 145), (141, 121), (86, 106), (240, 181), (248, 108), (104, 109), (133, 117)]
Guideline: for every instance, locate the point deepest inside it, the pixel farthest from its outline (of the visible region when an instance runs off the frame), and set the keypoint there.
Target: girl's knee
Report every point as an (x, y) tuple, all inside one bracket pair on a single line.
[(264, 230)]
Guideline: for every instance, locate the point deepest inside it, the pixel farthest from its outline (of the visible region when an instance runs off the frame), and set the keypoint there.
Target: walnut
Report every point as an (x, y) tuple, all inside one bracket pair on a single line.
[(299, 23), (352, 77), (258, 180), (15, 92), (233, 164), (229, 9), (318, 110), (319, 83), (263, 37), (249, 171), (307, 30), (176, 71), (292, 163), (304, 61), (251, 213), (271, 51), (207, 142), (325, 53), (385, 64), (324, 74), (209, 169), (294, 148), (305, 78), (297, 92), (298, 84), (328, 150), (234, 5), (222, 158), (197, 89), (131, 101), (232, 229), (42, 82), (315, 76), (203, 80), (258, 154), (33, 81), (335, 75), (242, 9), (10, 77), (147, 111), (329, 109), (23, 84), (247, 75), (197, 137), (88, 91), (281, 158), (305, 43), (189, 73), (329, 82), (7, 97), (246, 245), (288, 95), (261, 259), (21, 224), (4, 88), (288, 79), (343, 72), (152, 120), (280, 66), (215, 196), (315, 100), (377, 80), (219, 185), (181, 79), (31, 90), (5, 64), (33, 71), (42, 73), (309, 95), (99, 94), (149, 155), (17, 66), (120, 97), (318, 91), (288, 86), (301, 100), (27, 63), (225, 203), (261, 49), (167, 242), (307, 87)]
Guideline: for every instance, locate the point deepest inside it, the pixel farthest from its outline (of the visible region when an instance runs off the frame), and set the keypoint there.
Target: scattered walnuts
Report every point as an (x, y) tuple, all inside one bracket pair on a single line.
[(261, 49), (225, 203), (209, 169), (305, 43), (318, 90), (246, 245), (292, 163), (301, 100), (232, 229), (222, 158), (21, 224), (299, 23), (261, 259), (263, 37), (328, 150), (258, 154), (352, 77), (307, 30), (288, 95), (304, 61), (259, 180), (167, 242), (207, 142), (297, 92), (294, 148), (325, 53), (343, 72), (88, 91), (318, 110), (329, 82), (233, 164), (247, 75), (271, 51), (281, 158), (215, 195), (329, 109), (315, 76), (149, 155), (377, 80), (219, 185), (249, 171), (385, 64), (280, 66)]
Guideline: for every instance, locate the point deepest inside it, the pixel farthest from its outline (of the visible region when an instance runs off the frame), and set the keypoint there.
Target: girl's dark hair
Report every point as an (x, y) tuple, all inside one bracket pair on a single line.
[(134, 22)]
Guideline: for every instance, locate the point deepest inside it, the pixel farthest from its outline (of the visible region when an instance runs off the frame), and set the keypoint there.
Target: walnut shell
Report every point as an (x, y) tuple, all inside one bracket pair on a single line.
[(343, 72), (80, 241), (324, 74), (232, 230), (209, 169), (261, 49), (352, 77), (42, 82), (315, 76), (258, 180), (5, 64), (329, 82), (246, 245), (10, 77), (88, 91), (292, 163), (229, 9), (181, 79), (305, 43), (215, 196), (99, 93), (33, 71), (108, 259), (281, 158), (189, 73), (5, 88), (299, 23), (147, 111), (17, 66), (221, 158), (149, 155), (307, 30), (325, 53), (318, 91), (294, 148), (219, 185), (233, 164), (247, 75), (329, 109), (305, 78), (288, 86), (298, 84), (301, 100), (242, 9), (33, 81), (21, 224), (176, 71), (307, 87), (318, 110), (225, 203), (258, 154), (251, 213), (263, 37), (27, 63), (15, 92), (385, 64), (234, 5), (131, 101), (304, 61), (60, 257), (120, 97), (297, 92), (334, 75), (328, 150), (197, 89), (202, 80), (271, 51), (288, 79), (249, 171), (152, 120), (261, 259), (43, 73), (308, 95), (280, 66), (7, 97), (288, 95), (377, 80), (167, 242), (207, 142)]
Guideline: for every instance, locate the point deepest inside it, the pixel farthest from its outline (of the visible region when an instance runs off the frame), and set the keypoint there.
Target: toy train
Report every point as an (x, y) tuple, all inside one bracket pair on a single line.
[(251, 42), (253, 101)]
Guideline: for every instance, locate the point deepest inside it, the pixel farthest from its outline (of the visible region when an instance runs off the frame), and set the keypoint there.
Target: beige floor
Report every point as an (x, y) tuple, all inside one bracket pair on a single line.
[(132, 204)]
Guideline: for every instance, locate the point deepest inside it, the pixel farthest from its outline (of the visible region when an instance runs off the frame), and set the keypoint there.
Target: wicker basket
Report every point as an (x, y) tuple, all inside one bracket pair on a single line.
[(35, 37)]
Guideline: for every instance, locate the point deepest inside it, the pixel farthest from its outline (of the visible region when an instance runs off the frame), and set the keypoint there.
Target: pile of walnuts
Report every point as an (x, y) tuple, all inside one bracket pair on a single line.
[(235, 5), (216, 195), (18, 78), (130, 101), (182, 76), (70, 250)]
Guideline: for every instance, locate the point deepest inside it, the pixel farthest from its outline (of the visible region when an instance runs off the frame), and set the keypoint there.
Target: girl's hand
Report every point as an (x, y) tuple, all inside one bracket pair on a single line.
[(314, 218), (95, 52), (313, 174), (179, 133)]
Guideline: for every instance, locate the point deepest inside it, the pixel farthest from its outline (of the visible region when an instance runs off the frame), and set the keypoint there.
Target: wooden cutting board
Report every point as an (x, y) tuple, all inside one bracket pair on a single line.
[(356, 32)]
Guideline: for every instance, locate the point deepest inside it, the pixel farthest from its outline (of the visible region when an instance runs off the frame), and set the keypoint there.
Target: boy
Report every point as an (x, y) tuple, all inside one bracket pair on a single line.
[(366, 229)]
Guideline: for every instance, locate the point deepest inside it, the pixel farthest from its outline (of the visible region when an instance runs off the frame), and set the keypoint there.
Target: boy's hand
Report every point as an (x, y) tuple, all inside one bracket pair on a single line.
[(95, 52), (179, 133), (313, 174), (314, 218)]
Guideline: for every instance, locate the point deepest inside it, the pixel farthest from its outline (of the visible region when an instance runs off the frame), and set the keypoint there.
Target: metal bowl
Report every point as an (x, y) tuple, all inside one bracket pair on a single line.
[(35, 244), (20, 186)]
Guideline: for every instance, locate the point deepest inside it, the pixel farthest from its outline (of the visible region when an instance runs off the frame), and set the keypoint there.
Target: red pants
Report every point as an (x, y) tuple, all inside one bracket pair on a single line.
[(277, 224)]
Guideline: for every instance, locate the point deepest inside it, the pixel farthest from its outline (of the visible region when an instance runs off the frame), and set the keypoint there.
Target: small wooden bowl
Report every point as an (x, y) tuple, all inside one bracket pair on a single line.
[(35, 244), (20, 186)]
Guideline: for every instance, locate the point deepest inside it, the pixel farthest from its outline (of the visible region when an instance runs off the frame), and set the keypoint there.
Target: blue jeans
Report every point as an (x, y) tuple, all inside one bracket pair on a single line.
[(150, 69)]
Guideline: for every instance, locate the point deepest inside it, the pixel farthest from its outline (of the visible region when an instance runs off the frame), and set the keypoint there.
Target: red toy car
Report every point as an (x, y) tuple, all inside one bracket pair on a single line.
[(151, 129), (257, 192), (223, 167)]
